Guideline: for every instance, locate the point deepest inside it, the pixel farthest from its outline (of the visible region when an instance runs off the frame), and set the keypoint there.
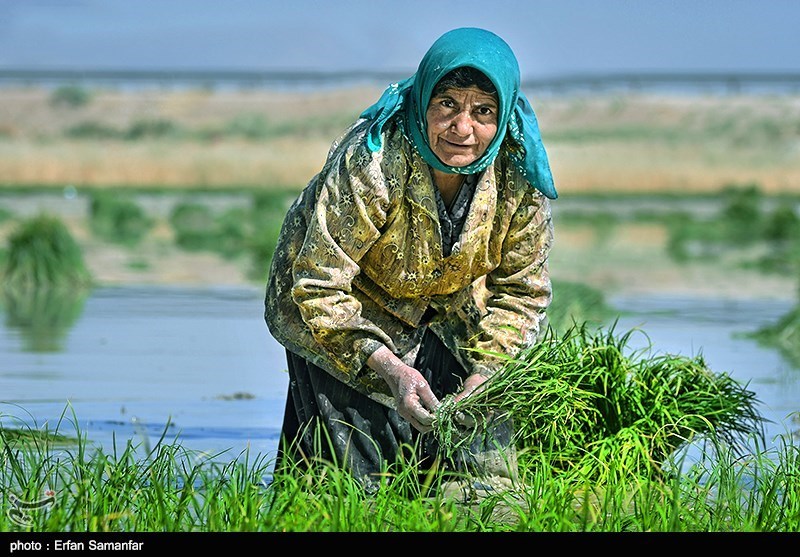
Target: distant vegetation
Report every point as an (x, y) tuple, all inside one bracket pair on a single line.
[(43, 316), (247, 126), (138, 130), (742, 233), (600, 141), (43, 254), (575, 303), (117, 218), (252, 231), (45, 282), (742, 224), (743, 229), (71, 96), (5, 214)]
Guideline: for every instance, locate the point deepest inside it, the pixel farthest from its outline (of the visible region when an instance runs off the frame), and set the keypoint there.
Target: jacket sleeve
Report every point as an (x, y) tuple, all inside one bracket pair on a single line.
[(518, 291), (344, 220)]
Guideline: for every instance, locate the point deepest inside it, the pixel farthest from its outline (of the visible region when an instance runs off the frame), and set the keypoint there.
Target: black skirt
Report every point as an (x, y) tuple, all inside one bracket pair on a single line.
[(327, 421)]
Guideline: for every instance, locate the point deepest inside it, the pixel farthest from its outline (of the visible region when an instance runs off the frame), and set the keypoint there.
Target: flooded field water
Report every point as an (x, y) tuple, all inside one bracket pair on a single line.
[(141, 362), (198, 364)]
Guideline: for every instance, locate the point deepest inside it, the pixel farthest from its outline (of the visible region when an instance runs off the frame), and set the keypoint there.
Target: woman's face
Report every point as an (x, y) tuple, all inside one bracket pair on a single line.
[(461, 124)]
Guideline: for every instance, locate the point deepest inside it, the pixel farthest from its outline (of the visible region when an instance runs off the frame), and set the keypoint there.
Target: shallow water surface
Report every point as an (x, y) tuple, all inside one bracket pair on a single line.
[(141, 362), (133, 363)]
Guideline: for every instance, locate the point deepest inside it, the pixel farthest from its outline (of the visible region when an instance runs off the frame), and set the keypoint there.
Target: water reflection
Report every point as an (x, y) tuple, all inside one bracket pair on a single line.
[(43, 316)]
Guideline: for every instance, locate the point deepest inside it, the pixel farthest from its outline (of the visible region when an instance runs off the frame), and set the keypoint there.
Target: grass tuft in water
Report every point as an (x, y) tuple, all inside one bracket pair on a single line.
[(784, 335), (43, 253)]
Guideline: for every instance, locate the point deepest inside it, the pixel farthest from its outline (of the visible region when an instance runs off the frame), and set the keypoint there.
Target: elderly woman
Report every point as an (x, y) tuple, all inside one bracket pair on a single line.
[(412, 264)]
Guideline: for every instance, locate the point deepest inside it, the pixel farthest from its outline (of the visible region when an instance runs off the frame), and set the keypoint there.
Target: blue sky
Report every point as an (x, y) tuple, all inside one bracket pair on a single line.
[(551, 38)]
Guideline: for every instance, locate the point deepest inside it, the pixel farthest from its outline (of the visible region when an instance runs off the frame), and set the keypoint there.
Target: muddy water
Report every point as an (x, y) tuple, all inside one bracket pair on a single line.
[(198, 365)]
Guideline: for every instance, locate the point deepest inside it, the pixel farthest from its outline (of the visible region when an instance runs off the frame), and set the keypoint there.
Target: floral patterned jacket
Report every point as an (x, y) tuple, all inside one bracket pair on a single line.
[(359, 260)]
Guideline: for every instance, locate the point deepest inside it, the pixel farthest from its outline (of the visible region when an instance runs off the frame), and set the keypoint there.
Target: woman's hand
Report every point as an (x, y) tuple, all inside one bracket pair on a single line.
[(415, 400), (471, 384)]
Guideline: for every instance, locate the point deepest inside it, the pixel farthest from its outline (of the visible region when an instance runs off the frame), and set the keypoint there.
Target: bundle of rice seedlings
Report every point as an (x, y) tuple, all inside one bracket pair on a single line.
[(580, 397)]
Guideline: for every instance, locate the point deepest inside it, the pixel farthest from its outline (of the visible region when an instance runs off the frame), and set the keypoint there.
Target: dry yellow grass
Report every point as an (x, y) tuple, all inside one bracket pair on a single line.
[(607, 143), (282, 162), (34, 148)]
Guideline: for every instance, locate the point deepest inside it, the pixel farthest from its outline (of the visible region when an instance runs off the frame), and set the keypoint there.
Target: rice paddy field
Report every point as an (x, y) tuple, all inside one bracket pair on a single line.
[(670, 195)]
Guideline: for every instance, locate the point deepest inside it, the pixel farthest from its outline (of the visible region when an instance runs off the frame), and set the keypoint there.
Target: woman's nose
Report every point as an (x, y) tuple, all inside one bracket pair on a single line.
[(462, 123)]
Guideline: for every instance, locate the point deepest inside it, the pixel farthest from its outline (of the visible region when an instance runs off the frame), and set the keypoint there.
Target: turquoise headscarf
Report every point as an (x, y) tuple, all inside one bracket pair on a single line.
[(484, 51)]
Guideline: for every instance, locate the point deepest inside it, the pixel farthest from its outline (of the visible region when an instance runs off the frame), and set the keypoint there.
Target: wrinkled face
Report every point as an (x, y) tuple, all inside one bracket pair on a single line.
[(461, 124)]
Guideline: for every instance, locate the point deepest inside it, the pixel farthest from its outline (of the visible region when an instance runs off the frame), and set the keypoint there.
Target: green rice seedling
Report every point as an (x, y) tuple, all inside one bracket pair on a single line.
[(233, 496), (734, 492), (164, 488), (16, 433), (721, 492), (43, 253), (117, 218), (582, 397), (15, 436), (326, 498), (168, 488)]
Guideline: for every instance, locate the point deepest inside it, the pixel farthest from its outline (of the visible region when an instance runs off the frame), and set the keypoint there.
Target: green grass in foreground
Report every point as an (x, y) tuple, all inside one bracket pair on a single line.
[(720, 477), (174, 489)]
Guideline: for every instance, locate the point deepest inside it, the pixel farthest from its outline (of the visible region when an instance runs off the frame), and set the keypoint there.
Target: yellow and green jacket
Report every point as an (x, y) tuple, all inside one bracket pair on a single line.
[(359, 262)]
